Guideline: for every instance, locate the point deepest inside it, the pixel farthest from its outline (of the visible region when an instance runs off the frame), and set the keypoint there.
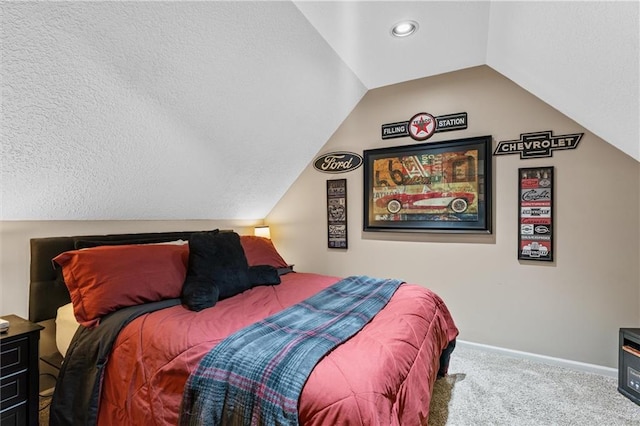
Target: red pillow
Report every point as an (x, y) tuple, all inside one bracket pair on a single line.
[(106, 278), (261, 251)]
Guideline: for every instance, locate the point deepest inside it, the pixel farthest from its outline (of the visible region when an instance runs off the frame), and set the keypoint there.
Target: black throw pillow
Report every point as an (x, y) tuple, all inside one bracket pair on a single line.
[(217, 269), (263, 275), (198, 294)]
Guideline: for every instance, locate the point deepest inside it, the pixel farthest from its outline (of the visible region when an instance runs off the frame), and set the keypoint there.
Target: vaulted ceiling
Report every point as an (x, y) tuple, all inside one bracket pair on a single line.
[(172, 110), (580, 57)]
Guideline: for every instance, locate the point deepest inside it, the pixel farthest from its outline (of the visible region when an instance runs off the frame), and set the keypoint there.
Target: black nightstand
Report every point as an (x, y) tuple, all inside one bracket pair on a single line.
[(19, 372)]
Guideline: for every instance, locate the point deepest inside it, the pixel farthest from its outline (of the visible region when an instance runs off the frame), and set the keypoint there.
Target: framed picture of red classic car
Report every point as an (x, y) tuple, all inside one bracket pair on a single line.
[(429, 187)]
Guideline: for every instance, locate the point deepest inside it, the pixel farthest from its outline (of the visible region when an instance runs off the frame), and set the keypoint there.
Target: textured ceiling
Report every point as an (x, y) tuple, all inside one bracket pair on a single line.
[(146, 110), (451, 36), (198, 110)]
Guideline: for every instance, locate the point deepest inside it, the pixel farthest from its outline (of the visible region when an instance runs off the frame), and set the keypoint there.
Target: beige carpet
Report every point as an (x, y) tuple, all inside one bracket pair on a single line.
[(44, 411), (485, 388)]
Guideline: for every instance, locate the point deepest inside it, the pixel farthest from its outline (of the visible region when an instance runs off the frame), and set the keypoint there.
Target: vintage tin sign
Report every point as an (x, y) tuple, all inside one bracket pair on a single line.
[(535, 214), (538, 144), (423, 125), (337, 162)]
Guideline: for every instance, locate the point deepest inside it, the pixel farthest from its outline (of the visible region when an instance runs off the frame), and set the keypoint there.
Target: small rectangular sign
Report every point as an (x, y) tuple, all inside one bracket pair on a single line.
[(535, 215), (337, 213)]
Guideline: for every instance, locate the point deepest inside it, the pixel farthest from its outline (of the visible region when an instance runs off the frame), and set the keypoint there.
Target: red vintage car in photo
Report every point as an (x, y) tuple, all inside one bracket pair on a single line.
[(457, 202)]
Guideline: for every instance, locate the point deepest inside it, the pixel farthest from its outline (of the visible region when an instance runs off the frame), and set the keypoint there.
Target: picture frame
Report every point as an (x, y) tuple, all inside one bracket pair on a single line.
[(535, 213), (430, 187), (337, 213)]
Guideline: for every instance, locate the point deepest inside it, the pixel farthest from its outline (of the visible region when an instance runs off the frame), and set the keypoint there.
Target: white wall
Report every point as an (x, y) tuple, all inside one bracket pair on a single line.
[(571, 308)]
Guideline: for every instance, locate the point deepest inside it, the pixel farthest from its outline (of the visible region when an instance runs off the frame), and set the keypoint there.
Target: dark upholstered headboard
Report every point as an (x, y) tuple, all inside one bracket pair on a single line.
[(46, 294)]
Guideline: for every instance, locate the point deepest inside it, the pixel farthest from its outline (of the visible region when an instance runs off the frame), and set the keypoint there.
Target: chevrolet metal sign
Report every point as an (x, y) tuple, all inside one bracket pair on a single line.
[(538, 144)]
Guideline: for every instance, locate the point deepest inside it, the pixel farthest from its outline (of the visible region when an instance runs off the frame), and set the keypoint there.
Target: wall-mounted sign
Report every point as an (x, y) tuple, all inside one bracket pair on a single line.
[(337, 213), (337, 162), (423, 125), (538, 144), (535, 238)]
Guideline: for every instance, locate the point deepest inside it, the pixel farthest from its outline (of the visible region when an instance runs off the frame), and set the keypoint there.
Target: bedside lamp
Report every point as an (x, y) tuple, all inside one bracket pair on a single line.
[(262, 231)]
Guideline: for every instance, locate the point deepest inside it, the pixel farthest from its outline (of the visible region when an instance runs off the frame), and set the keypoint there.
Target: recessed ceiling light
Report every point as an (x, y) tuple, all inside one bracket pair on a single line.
[(404, 28)]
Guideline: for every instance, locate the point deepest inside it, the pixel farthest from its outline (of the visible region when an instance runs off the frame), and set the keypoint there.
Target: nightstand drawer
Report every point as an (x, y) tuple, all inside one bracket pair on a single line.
[(13, 390), (14, 417), (15, 356)]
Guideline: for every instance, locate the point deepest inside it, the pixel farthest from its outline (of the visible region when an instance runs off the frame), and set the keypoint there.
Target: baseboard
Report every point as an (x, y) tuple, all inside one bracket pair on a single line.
[(558, 362)]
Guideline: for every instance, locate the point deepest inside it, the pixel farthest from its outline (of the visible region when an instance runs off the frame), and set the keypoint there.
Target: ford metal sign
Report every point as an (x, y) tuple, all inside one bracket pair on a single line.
[(338, 162)]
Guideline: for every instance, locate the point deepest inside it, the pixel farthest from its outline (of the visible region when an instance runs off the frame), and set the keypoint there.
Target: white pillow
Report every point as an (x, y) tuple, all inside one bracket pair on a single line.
[(66, 326)]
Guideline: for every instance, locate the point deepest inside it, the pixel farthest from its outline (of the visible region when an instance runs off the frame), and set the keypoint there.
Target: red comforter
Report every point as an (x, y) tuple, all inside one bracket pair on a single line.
[(384, 375)]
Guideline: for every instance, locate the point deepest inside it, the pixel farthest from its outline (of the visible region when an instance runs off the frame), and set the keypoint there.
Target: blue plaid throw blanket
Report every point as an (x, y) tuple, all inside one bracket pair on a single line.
[(255, 376)]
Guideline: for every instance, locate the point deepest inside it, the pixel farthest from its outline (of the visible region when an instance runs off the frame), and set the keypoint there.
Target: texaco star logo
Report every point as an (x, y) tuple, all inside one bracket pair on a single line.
[(422, 126)]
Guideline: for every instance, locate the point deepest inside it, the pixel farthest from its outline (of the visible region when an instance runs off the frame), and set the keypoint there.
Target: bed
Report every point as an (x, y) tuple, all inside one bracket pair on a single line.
[(158, 341)]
